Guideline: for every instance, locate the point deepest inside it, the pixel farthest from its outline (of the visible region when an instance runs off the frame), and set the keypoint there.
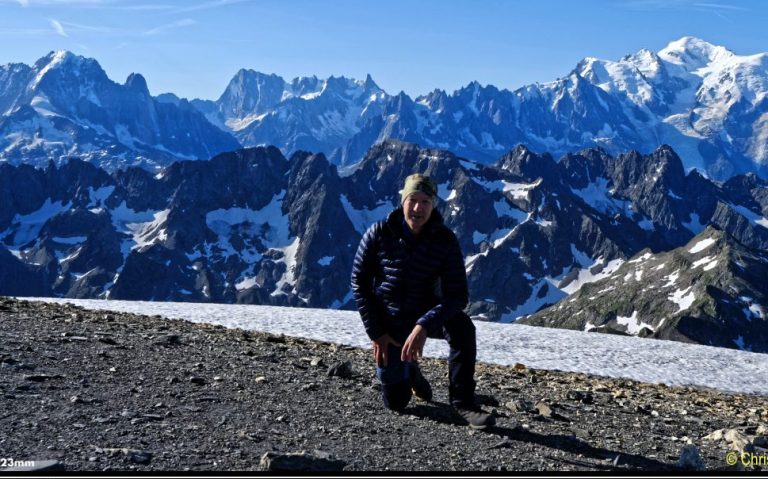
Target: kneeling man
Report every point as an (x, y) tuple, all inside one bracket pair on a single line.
[(409, 283)]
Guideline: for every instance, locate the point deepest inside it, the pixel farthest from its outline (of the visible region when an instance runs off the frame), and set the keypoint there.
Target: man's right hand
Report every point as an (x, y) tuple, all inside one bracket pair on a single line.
[(381, 348)]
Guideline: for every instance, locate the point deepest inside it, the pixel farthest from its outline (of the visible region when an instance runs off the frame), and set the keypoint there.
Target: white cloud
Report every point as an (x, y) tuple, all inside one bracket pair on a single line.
[(58, 28), (186, 22), (721, 6)]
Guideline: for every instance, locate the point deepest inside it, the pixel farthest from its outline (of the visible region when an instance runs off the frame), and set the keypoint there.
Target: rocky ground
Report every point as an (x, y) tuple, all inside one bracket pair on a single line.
[(108, 391)]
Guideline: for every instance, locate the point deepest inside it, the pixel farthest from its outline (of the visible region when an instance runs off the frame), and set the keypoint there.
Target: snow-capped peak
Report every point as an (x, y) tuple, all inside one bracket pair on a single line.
[(49, 62), (59, 56), (73, 65), (693, 53)]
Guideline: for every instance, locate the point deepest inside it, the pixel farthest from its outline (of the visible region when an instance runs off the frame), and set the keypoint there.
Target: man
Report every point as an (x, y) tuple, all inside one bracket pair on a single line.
[(409, 282)]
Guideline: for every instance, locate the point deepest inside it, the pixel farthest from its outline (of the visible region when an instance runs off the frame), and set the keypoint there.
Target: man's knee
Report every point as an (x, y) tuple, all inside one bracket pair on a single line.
[(395, 382), (396, 396)]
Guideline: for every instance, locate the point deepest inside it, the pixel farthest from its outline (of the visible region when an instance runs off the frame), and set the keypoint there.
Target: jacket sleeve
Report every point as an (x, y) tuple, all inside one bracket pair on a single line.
[(363, 284), (453, 289)]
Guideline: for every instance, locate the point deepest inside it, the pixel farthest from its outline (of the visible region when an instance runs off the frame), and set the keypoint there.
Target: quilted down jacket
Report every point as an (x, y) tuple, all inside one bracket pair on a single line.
[(399, 280)]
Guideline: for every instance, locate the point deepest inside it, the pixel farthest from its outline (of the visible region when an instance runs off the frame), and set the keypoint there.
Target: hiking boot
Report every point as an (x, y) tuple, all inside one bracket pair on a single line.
[(475, 417), (419, 384)]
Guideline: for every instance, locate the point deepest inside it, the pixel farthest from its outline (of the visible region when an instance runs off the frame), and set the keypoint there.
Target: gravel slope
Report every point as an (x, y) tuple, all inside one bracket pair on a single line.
[(111, 391)]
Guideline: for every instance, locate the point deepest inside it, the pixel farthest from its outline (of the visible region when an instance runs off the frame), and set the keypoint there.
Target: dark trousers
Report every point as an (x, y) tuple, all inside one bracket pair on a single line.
[(396, 376)]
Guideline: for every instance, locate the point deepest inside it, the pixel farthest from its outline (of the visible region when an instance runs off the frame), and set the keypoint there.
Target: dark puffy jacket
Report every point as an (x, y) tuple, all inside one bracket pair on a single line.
[(400, 281)]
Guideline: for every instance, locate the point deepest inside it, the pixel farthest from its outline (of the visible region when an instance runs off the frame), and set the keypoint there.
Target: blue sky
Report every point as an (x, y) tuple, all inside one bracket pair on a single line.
[(194, 47)]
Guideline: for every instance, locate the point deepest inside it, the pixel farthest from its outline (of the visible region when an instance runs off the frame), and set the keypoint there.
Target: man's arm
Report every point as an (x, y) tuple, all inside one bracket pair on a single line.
[(363, 274)]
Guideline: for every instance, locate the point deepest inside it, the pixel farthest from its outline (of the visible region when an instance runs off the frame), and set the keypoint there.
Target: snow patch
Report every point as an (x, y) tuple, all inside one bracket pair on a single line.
[(642, 258), (632, 324), (534, 302), (363, 218), (519, 190), (503, 208), (702, 245), (598, 196), (671, 279), (26, 228), (683, 298), (668, 362)]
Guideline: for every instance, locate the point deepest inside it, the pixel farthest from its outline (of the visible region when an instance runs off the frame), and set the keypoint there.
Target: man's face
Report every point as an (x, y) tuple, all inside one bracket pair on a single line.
[(417, 209)]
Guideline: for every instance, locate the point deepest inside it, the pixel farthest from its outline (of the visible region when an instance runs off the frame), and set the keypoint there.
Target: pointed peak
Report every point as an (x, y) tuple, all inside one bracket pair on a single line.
[(586, 64), (54, 58), (523, 162), (67, 63), (337, 82), (664, 150), (369, 84), (438, 92), (136, 82), (64, 57)]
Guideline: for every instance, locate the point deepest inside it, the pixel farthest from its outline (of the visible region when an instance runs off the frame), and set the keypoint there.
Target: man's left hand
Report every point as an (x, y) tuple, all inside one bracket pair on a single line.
[(413, 347)]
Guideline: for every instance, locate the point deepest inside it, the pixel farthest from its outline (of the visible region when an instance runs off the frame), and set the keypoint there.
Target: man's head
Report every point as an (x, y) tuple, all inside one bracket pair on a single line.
[(418, 196)]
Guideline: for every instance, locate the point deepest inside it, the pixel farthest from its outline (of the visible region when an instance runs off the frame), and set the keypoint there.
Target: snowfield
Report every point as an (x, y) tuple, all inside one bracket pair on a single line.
[(646, 360)]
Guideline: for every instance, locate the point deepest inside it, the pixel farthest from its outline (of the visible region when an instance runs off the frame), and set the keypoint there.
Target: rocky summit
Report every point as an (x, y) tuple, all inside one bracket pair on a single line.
[(103, 391)]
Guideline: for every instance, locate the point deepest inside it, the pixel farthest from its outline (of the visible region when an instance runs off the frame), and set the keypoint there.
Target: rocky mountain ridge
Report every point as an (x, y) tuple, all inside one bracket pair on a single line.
[(255, 227), (710, 291)]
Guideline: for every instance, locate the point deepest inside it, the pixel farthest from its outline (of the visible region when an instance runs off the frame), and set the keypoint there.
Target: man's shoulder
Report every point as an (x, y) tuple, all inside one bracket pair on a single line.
[(375, 228), (380, 226), (443, 232)]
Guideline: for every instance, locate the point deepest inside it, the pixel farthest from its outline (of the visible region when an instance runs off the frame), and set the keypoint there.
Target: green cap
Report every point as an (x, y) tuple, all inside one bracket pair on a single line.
[(418, 183)]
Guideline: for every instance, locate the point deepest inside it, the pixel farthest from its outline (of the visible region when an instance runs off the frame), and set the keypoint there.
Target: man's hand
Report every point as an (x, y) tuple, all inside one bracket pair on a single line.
[(414, 345), (381, 349)]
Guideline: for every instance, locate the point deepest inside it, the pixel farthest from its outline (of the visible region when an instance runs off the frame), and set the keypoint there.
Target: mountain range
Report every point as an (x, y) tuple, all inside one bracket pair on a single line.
[(706, 102), (65, 106), (252, 226)]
